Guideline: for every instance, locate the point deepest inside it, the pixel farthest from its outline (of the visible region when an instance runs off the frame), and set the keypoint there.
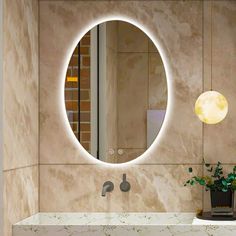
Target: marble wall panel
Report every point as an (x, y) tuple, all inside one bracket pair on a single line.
[(1, 118), (20, 114), (153, 188), (178, 28), (219, 140), (20, 94), (20, 195), (206, 46)]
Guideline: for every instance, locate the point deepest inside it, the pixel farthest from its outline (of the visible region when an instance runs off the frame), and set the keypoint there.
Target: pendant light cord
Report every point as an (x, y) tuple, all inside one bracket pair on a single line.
[(211, 44), (203, 49)]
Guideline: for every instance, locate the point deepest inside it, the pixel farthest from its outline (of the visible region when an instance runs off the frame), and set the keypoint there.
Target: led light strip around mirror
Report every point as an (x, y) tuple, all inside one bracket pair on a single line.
[(62, 95)]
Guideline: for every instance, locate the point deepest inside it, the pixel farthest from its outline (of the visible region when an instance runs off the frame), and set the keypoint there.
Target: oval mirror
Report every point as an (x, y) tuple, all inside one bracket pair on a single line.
[(115, 92)]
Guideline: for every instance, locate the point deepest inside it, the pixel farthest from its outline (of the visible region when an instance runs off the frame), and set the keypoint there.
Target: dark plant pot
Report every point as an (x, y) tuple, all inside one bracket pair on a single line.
[(222, 203)]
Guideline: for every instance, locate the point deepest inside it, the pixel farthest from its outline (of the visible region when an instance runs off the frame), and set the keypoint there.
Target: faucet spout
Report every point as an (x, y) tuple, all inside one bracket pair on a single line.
[(104, 190), (108, 186)]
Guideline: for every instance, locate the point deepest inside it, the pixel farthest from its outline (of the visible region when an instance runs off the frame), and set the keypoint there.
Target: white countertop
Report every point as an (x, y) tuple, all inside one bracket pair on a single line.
[(118, 219), (117, 224), (108, 219)]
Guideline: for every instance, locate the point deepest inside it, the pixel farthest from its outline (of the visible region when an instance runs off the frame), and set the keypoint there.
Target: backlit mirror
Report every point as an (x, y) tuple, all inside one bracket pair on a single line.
[(115, 92)]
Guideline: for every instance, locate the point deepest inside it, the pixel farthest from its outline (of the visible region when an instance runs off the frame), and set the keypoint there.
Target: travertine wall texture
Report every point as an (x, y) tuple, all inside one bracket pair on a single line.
[(69, 179), (20, 110)]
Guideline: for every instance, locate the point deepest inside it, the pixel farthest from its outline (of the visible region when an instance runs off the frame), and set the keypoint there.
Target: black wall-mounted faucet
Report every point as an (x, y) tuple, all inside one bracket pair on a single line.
[(108, 186)]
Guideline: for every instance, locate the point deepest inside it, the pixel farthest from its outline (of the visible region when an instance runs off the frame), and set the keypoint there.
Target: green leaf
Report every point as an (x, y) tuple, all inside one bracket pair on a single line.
[(202, 182), (224, 182), (230, 177), (233, 184), (216, 180), (233, 187)]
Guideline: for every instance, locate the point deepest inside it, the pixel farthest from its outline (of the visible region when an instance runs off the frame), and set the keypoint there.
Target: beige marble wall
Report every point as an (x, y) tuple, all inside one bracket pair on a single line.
[(181, 44), (220, 139), (180, 143), (153, 188), (20, 114), (1, 118), (69, 179), (20, 95), (20, 195)]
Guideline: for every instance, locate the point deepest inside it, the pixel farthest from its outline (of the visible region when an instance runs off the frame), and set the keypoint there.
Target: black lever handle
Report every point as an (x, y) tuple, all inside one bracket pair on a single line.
[(125, 185)]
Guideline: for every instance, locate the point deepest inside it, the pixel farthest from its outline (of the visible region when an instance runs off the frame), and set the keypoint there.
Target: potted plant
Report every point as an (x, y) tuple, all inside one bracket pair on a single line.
[(221, 188)]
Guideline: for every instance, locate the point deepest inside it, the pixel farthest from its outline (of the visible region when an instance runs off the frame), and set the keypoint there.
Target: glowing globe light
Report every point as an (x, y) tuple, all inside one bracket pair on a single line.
[(211, 107)]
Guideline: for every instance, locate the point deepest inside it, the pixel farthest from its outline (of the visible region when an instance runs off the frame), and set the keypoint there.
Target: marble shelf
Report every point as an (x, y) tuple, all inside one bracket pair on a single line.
[(117, 224)]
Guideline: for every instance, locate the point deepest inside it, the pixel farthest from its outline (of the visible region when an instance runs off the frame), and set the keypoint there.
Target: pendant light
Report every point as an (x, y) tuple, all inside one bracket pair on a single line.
[(211, 107)]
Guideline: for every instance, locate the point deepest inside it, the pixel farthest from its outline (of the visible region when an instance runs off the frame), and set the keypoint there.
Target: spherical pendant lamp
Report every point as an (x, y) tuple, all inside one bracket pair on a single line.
[(211, 107)]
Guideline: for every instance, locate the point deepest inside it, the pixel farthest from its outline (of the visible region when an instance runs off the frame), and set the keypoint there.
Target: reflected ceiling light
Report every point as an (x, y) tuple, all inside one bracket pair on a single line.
[(211, 107), (71, 79)]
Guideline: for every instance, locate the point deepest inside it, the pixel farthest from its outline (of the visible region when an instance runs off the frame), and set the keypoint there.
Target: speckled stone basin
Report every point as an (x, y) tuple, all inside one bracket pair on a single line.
[(118, 224)]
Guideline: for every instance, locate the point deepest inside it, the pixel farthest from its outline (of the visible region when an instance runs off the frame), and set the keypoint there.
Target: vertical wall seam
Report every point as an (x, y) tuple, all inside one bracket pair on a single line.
[(203, 75), (1, 121), (39, 106)]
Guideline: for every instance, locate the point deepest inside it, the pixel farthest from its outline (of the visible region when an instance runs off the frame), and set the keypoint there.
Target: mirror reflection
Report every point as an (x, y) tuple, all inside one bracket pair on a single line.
[(115, 92)]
